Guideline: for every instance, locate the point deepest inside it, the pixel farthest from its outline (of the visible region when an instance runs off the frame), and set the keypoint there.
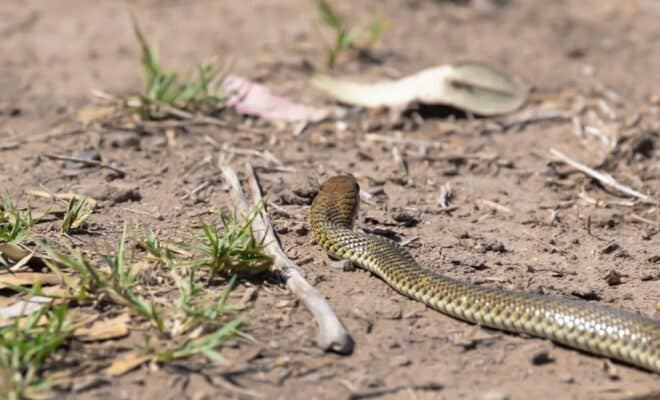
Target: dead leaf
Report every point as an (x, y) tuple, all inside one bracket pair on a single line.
[(23, 261), (22, 308), (121, 366), (91, 114), (92, 202), (27, 279), (13, 251), (470, 87), (104, 330), (21, 255)]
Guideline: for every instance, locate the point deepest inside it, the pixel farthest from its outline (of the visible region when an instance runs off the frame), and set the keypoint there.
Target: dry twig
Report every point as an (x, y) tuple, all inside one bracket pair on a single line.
[(529, 117), (445, 198), (601, 177), (383, 390), (494, 205), (266, 155), (332, 333), (91, 163)]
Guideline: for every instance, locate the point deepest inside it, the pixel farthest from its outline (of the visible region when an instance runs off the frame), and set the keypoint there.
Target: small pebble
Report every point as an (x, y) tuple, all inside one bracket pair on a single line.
[(566, 378), (495, 395), (611, 370), (610, 248), (399, 361), (300, 230), (613, 278), (541, 358)]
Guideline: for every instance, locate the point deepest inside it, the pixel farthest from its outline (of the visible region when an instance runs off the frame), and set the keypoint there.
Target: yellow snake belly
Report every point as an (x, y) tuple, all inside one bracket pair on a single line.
[(595, 329)]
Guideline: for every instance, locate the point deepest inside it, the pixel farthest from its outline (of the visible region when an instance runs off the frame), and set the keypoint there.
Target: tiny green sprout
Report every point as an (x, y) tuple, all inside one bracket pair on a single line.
[(346, 37), (194, 93), (14, 225), (76, 214), (232, 250), (26, 345)]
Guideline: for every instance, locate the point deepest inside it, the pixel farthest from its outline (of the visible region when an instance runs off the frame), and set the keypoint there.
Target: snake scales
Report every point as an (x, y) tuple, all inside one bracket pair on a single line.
[(613, 333)]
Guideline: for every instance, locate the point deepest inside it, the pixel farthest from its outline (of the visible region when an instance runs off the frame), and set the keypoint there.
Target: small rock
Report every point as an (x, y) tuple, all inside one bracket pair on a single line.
[(123, 194), (622, 254), (473, 338), (300, 230), (541, 358), (113, 193), (644, 145), (307, 191), (610, 248), (479, 265), (495, 246), (399, 361), (586, 294), (613, 278), (288, 197), (282, 230), (495, 395), (611, 371), (389, 309), (405, 218)]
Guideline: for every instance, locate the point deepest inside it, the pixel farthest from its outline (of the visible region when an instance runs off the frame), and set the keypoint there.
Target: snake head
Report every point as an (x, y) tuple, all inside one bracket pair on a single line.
[(341, 185), (338, 200)]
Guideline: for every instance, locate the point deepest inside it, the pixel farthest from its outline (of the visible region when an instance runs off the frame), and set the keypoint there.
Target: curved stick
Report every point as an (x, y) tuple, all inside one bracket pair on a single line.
[(332, 336)]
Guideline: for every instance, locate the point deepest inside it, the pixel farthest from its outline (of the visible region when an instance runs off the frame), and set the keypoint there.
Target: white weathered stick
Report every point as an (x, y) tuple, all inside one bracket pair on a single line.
[(601, 177), (332, 333)]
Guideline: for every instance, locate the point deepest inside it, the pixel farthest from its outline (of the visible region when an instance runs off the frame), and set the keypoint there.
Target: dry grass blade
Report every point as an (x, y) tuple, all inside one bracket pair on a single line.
[(27, 278), (112, 328)]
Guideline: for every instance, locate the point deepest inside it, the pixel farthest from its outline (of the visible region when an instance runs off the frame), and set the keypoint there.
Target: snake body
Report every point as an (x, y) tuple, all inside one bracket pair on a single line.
[(595, 329)]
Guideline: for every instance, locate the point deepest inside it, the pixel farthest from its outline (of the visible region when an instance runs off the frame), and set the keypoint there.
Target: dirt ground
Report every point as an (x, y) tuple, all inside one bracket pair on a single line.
[(523, 220)]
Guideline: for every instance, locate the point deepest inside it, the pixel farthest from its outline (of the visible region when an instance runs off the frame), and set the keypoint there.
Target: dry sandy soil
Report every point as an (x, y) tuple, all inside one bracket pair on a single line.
[(523, 220)]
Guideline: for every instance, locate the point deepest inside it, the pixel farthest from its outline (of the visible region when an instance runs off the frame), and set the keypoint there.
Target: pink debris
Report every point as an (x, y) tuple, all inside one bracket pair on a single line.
[(252, 98)]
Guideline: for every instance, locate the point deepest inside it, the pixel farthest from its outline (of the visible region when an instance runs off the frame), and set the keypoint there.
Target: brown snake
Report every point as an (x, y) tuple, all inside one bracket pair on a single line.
[(605, 331)]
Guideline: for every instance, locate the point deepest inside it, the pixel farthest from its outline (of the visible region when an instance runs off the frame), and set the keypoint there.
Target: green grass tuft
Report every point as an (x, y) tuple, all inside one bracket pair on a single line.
[(347, 37), (26, 345), (197, 92), (232, 250), (118, 284), (76, 214), (14, 225)]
